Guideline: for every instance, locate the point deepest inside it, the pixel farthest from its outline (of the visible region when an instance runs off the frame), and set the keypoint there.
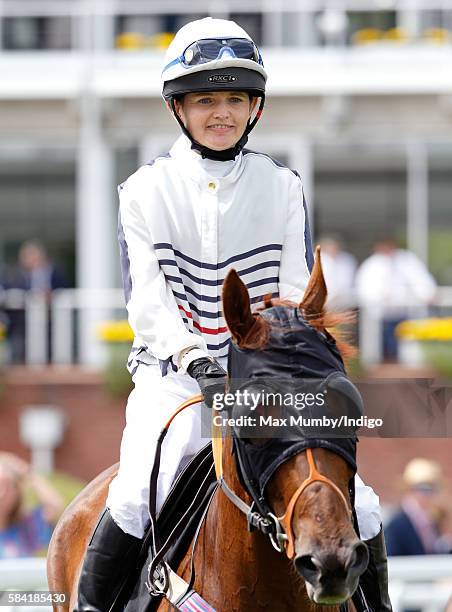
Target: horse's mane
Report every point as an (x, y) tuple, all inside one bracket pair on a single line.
[(257, 337)]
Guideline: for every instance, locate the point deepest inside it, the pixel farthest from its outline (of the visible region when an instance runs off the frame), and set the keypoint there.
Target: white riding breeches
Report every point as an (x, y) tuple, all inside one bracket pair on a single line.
[(151, 403)]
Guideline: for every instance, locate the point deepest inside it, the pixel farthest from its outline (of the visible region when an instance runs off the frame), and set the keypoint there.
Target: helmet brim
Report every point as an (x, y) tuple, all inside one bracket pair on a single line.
[(223, 79)]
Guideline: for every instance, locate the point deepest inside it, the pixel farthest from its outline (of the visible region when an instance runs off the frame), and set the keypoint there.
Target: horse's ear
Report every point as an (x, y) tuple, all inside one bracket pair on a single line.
[(236, 306), (315, 294)]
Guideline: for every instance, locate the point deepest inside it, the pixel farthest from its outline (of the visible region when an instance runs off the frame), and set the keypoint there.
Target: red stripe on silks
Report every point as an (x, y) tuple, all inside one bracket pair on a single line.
[(203, 330), (209, 330), (187, 313)]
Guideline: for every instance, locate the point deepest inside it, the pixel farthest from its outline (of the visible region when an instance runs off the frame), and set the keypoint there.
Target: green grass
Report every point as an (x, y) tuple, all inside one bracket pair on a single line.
[(439, 355), (440, 255)]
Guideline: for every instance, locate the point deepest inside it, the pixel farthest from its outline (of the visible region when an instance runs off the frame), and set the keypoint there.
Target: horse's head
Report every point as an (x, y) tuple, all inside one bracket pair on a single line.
[(285, 348)]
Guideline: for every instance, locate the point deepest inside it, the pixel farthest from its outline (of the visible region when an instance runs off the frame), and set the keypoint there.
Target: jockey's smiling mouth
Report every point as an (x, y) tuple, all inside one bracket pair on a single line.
[(216, 119)]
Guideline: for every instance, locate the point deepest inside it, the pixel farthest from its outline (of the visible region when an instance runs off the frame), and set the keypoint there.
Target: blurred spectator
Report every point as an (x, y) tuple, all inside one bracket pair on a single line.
[(417, 529), (34, 271), (395, 283), (339, 268), (24, 533)]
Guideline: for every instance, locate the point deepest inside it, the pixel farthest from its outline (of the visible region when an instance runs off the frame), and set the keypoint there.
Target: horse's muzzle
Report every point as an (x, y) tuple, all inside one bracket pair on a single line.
[(332, 578)]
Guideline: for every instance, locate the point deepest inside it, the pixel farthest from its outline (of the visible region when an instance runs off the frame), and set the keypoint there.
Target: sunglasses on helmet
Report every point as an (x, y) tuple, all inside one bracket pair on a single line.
[(209, 49)]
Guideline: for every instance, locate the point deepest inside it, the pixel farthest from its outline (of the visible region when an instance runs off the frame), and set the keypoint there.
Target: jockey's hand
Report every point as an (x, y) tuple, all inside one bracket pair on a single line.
[(210, 377)]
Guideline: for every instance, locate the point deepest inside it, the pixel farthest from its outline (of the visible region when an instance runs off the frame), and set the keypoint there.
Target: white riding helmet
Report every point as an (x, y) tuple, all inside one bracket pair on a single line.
[(201, 51)]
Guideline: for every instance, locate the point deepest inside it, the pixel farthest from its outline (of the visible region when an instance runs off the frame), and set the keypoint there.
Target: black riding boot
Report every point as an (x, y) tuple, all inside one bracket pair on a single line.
[(110, 556), (374, 581)]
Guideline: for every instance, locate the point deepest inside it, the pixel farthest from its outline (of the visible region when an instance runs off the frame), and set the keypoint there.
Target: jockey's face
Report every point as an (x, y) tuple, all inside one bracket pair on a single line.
[(217, 119)]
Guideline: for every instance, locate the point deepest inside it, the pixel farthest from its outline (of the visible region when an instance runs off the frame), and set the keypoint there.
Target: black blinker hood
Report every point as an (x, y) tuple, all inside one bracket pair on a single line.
[(293, 348), (295, 351)]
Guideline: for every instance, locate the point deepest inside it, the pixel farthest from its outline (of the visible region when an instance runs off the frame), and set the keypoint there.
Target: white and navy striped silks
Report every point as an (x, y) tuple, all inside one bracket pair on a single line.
[(183, 224)]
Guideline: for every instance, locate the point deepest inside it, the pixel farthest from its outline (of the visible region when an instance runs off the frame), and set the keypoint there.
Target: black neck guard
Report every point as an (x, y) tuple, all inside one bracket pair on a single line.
[(226, 154)]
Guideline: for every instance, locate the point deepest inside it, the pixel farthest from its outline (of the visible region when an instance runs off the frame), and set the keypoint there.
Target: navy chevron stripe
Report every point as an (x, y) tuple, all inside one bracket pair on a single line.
[(216, 282), (174, 279), (260, 298), (125, 261), (217, 347), (217, 298), (218, 266), (218, 313), (276, 162), (308, 251), (201, 312), (260, 282)]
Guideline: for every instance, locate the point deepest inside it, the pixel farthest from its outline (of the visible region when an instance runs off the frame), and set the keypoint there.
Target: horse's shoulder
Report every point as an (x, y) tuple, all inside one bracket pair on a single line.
[(74, 529)]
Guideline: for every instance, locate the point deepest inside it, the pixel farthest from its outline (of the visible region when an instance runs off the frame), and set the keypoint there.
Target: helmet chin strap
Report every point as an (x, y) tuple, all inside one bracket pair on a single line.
[(226, 154)]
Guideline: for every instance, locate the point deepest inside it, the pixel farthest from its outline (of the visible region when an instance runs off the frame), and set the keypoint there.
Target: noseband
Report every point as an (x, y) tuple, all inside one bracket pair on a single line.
[(279, 529), (314, 476)]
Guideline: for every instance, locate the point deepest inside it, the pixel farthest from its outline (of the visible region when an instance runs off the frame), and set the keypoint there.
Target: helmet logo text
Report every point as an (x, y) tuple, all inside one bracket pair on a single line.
[(222, 78)]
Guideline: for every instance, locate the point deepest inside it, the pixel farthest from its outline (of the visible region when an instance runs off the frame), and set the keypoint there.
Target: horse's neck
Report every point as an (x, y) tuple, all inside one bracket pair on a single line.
[(249, 573)]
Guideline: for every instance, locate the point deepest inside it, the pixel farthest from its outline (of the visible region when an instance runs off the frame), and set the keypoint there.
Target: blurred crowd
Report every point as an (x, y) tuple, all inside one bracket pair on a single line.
[(33, 272), (392, 282), (422, 523), (25, 531)]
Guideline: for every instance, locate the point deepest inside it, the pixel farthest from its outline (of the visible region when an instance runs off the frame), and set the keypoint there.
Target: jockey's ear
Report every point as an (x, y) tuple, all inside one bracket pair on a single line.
[(314, 298), (236, 306)]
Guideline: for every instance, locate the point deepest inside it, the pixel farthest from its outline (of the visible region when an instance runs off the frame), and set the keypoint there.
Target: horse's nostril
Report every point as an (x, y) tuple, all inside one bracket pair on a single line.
[(359, 558), (307, 567)]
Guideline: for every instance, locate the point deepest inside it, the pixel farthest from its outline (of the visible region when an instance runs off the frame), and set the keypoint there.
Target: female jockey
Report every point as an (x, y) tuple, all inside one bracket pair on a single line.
[(185, 219)]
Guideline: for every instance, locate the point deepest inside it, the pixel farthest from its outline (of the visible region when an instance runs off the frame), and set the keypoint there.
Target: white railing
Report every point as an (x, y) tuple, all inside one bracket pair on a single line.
[(423, 583), (23, 574), (75, 313), (28, 574), (420, 583), (92, 307), (96, 304)]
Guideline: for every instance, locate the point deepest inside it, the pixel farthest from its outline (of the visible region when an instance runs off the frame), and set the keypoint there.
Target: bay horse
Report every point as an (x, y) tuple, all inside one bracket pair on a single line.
[(319, 565)]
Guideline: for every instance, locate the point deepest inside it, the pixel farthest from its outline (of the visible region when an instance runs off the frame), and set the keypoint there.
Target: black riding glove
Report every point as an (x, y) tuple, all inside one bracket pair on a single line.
[(210, 377)]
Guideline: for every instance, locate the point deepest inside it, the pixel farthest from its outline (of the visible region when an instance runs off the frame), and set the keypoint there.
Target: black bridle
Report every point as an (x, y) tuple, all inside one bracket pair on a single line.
[(294, 350)]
